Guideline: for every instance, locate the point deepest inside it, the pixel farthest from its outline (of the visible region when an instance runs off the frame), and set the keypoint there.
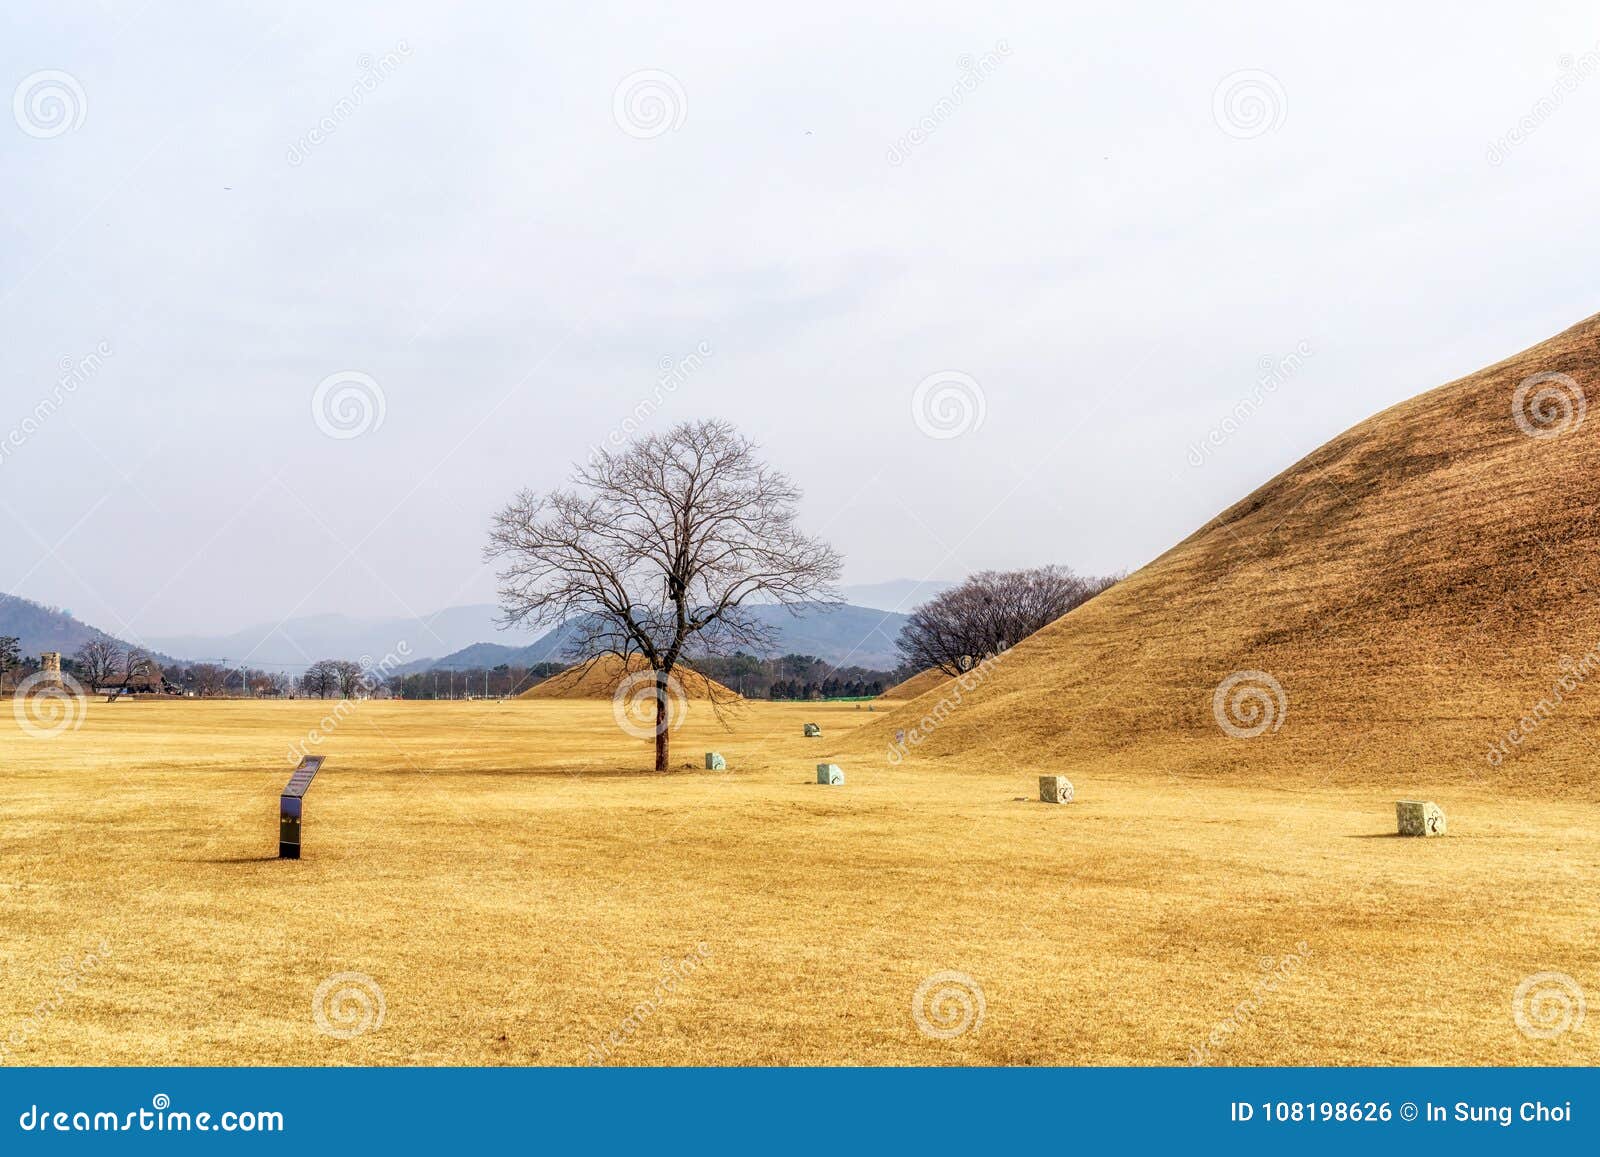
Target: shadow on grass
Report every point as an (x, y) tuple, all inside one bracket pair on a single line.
[(235, 860)]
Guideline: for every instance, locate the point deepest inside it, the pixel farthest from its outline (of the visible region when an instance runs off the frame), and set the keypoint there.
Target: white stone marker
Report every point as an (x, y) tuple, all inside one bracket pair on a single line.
[(715, 762), (1419, 818), (1055, 789), (813, 731), (830, 774)]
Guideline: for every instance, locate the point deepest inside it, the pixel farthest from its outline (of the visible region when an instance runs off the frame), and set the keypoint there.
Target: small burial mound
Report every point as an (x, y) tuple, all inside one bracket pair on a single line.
[(599, 679), (1418, 599)]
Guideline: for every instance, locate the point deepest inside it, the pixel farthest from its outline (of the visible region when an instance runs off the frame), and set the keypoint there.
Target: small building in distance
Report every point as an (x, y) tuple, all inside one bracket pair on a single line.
[(146, 679)]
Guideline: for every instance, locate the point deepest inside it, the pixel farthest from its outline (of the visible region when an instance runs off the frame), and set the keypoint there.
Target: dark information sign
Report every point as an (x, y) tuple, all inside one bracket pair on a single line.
[(291, 806)]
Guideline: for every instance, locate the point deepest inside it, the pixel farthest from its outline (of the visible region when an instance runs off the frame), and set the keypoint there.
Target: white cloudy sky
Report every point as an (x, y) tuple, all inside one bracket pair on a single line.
[(1102, 251)]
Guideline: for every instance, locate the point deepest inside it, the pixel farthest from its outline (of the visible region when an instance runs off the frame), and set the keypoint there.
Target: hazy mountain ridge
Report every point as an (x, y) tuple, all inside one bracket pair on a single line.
[(861, 632), (844, 635), (39, 628)]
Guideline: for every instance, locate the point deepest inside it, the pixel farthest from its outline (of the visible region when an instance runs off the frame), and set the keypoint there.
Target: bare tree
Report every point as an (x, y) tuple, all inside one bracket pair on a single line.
[(346, 676), (990, 612), (99, 659), (319, 679), (658, 547), (10, 657), (136, 664), (209, 679)]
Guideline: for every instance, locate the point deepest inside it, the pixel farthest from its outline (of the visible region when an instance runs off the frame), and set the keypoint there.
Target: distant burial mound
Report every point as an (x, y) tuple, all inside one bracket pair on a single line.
[(916, 685), (599, 679), (1418, 599)]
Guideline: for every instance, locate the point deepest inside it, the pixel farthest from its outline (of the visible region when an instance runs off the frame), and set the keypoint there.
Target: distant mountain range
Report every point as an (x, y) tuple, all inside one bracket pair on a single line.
[(459, 638), (843, 636), (39, 628), (859, 633), (294, 644)]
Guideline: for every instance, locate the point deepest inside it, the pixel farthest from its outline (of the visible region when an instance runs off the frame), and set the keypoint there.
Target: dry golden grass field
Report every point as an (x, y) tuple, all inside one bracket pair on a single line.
[(1413, 611), (511, 880)]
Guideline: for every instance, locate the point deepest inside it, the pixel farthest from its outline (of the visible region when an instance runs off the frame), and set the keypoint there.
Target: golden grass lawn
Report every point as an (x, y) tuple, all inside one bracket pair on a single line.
[(511, 879)]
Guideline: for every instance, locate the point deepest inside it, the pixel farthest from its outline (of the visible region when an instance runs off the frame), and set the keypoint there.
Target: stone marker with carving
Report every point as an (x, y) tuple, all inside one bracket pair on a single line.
[(1419, 818), (1055, 789), (813, 731), (829, 774), (715, 762)]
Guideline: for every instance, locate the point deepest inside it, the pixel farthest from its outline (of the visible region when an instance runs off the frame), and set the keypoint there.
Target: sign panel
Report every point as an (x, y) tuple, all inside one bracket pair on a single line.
[(291, 807), (303, 775)]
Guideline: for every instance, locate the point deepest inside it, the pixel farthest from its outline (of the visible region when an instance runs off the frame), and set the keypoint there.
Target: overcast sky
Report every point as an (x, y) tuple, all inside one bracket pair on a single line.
[(1084, 231)]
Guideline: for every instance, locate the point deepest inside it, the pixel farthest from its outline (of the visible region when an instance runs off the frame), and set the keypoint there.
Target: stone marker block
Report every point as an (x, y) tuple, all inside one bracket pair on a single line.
[(715, 762), (830, 774), (1055, 789), (813, 731), (1419, 818)]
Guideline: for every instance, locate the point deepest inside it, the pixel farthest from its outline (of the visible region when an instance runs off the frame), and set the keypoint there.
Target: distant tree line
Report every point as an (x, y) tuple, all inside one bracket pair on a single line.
[(499, 682), (795, 677)]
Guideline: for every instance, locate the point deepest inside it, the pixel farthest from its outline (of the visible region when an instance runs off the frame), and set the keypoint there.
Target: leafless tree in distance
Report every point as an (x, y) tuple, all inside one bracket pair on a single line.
[(209, 679), (99, 659), (661, 548), (990, 612), (347, 676), (136, 664), (10, 658), (319, 679)]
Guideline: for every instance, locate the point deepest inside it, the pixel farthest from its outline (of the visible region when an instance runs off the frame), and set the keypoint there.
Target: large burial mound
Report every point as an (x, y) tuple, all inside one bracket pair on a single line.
[(599, 679), (919, 683), (1424, 590)]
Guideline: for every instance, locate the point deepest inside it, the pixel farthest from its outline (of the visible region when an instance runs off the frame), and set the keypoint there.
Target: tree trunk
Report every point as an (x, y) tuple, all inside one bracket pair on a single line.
[(661, 721)]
